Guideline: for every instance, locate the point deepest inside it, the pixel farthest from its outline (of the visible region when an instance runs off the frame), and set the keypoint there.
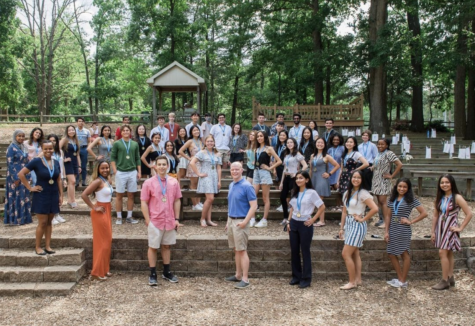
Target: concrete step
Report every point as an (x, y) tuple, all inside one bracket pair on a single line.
[(273, 215), (37, 289), (21, 257), (21, 274)]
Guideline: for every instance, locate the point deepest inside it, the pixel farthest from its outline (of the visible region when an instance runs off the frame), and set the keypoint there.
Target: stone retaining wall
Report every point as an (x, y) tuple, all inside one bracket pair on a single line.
[(203, 255)]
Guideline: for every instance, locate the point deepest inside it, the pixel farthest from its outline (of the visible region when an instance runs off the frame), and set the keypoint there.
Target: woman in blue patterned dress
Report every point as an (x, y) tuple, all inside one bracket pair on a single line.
[(17, 197)]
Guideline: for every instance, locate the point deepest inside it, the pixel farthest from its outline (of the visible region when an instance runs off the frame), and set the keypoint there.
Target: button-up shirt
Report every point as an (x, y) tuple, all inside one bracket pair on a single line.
[(83, 136), (369, 151), (221, 136), (164, 133)]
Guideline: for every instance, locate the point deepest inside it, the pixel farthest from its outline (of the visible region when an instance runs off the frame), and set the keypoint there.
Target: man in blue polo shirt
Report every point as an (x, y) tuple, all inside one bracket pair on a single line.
[(242, 205)]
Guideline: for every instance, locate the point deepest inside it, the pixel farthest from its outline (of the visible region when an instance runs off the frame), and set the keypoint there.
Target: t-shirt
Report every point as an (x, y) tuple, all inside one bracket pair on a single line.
[(172, 131), (264, 128), (221, 136), (119, 155), (33, 149), (357, 205), (296, 132), (292, 163), (206, 128), (188, 127), (164, 134), (83, 136), (43, 175), (404, 208), (239, 195), (308, 202), (162, 214)]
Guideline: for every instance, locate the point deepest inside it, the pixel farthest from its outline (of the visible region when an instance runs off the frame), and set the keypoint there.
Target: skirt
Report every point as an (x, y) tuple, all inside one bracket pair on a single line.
[(399, 238), (355, 232), (101, 240), (183, 164)]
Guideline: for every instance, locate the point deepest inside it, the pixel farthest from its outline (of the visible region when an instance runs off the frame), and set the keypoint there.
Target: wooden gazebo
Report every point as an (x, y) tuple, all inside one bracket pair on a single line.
[(175, 78)]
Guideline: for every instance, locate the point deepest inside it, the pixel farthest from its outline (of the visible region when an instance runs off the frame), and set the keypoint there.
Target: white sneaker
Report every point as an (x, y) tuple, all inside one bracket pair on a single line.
[(252, 222), (196, 208), (392, 281), (118, 221), (279, 209), (55, 221), (398, 284), (200, 204), (284, 221), (60, 219), (262, 223)]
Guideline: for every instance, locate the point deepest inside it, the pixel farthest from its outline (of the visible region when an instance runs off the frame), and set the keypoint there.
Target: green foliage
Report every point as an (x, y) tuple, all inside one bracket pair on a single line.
[(438, 125)]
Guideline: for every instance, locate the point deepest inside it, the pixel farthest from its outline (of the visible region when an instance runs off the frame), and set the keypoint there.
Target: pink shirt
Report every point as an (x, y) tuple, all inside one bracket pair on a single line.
[(162, 214), (33, 150)]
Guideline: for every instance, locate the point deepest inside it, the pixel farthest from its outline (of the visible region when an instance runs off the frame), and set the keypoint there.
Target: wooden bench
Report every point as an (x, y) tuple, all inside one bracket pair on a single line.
[(467, 176)]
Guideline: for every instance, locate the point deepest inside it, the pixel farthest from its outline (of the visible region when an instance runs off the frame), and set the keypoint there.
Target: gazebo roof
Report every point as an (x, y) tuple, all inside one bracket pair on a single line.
[(176, 78)]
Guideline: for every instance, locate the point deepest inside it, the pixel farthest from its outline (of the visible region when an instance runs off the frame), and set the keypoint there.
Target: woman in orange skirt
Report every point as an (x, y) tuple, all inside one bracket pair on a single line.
[(101, 220)]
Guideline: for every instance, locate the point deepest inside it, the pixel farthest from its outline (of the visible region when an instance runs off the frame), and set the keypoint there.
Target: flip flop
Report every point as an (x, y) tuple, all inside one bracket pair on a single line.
[(319, 224), (43, 253)]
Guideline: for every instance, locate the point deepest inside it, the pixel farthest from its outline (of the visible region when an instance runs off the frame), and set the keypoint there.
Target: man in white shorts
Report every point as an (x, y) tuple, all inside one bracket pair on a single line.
[(160, 202), (125, 163)]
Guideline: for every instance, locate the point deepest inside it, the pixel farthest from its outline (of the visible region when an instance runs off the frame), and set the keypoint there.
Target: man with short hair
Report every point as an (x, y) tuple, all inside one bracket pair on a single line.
[(195, 117), (279, 126), (279, 118), (84, 137), (206, 125), (160, 203), (125, 163), (242, 205), (160, 129), (329, 132), (172, 127), (118, 132), (222, 134), (260, 126), (297, 130)]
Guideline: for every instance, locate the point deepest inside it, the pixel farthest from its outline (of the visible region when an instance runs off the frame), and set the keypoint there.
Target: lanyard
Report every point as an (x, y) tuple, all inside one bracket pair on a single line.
[(315, 159), (51, 171), (299, 200), (262, 127), (160, 130), (346, 158), (107, 143), (396, 206), (211, 157), (304, 147), (172, 160), (172, 127), (22, 152), (37, 147), (235, 138), (107, 183), (155, 149), (74, 145), (287, 159), (378, 157), (258, 152), (197, 144), (348, 202), (222, 128), (57, 156), (327, 135), (365, 149), (446, 203), (164, 189), (280, 150), (142, 141), (296, 135), (126, 148)]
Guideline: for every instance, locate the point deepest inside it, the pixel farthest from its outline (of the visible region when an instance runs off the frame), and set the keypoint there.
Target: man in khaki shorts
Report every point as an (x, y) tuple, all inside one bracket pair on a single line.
[(242, 205), (160, 202)]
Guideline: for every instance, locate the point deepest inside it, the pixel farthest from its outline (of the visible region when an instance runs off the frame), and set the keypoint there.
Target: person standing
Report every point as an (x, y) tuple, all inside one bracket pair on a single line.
[(382, 177), (369, 151), (151, 153), (398, 228), (297, 130), (104, 145), (329, 129), (238, 142), (209, 174), (118, 132), (17, 209), (84, 138), (279, 120), (445, 231), (70, 146), (336, 151), (242, 205), (160, 203), (349, 163), (260, 126), (179, 142), (222, 134), (47, 194), (173, 159), (354, 226), (160, 129), (280, 150), (313, 126), (279, 126), (206, 125), (251, 156), (144, 142), (94, 130), (172, 127), (33, 147), (307, 144), (125, 162), (195, 118), (101, 220), (320, 173), (300, 227)]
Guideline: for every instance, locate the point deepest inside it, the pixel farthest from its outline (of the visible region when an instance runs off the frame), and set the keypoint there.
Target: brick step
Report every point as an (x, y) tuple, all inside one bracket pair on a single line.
[(62, 257), (36, 289), (21, 274)]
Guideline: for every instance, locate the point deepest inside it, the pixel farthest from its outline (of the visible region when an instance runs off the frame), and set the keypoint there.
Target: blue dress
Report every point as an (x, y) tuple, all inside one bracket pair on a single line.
[(17, 198), (336, 153), (72, 166), (46, 201)]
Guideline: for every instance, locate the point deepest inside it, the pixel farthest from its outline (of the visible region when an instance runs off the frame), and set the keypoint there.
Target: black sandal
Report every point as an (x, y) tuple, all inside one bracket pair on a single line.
[(50, 252)]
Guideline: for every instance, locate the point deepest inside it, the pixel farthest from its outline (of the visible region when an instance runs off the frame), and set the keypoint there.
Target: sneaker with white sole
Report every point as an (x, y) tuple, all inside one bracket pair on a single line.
[(242, 285), (152, 280), (397, 284), (262, 223), (131, 220), (118, 221), (170, 277), (200, 204), (392, 281), (196, 208), (252, 223), (284, 221), (279, 209), (60, 219), (55, 221)]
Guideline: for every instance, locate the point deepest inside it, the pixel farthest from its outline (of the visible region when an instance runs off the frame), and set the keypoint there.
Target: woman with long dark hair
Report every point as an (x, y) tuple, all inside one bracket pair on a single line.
[(251, 157), (144, 142), (33, 148), (152, 152), (354, 226), (188, 151), (313, 126), (307, 144), (349, 163), (445, 233), (303, 203), (237, 143), (72, 161), (104, 145), (398, 228), (181, 139), (172, 158)]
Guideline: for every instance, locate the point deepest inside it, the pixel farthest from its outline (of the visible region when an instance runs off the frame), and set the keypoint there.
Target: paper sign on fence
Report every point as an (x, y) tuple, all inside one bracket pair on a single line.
[(358, 132), (394, 140), (398, 137), (428, 152), (453, 140), (461, 153), (351, 134), (407, 146), (473, 147), (344, 132), (467, 153), (375, 137), (446, 147), (433, 133)]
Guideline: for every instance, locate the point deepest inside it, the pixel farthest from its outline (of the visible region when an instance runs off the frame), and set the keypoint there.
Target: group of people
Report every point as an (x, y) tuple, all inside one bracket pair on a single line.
[(302, 163)]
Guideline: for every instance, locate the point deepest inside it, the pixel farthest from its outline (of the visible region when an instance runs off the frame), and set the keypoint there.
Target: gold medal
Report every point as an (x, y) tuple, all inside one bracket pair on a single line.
[(127, 157), (143, 148), (164, 199), (257, 163), (75, 154), (298, 215), (51, 181), (224, 135), (314, 169), (172, 135)]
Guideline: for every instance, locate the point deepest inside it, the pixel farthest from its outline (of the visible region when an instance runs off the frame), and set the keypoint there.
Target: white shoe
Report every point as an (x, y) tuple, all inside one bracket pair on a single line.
[(398, 284), (200, 204), (118, 221), (59, 218), (392, 281), (196, 208), (262, 223), (55, 221), (252, 222), (279, 209)]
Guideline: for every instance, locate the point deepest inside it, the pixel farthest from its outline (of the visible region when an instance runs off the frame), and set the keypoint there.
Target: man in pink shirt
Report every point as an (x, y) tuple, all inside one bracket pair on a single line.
[(160, 202)]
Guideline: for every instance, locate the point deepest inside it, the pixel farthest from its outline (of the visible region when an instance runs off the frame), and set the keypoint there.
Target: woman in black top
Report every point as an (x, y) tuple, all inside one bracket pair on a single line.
[(307, 144), (181, 139), (144, 142), (279, 148)]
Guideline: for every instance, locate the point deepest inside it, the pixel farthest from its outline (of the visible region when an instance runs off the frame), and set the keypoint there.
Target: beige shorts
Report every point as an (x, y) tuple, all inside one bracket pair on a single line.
[(224, 155), (157, 237), (237, 237)]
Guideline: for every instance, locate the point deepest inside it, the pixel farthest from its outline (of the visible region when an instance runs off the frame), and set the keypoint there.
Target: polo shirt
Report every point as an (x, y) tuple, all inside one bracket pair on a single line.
[(221, 141), (239, 196), (162, 214)]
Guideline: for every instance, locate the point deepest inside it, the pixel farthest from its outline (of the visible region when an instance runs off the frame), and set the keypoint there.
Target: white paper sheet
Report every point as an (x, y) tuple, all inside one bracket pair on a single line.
[(453, 140), (344, 132), (375, 137), (446, 147), (358, 131), (351, 134), (467, 153), (394, 140), (473, 147), (433, 133), (461, 153), (428, 152)]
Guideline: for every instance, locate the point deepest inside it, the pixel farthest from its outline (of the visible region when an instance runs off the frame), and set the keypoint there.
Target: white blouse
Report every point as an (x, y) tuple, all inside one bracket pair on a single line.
[(308, 203), (357, 205)]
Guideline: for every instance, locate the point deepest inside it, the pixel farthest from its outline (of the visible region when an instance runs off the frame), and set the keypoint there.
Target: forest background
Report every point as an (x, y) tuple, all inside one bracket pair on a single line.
[(412, 59)]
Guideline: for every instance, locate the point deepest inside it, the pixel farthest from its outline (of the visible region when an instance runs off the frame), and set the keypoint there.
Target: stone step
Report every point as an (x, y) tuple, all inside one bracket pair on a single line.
[(273, 215), (21, 274), (36, 289), (62, 257)]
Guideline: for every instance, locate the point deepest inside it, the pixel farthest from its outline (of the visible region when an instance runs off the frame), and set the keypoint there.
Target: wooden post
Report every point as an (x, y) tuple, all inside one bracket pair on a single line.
[(469, 189), (419, 186), (198, 99), (160, 101), (319, 112), (154, 105), (7, 115)]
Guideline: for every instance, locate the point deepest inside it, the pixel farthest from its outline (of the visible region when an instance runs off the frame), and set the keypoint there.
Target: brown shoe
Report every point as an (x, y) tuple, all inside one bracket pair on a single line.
[(442, 285), (452, 281)]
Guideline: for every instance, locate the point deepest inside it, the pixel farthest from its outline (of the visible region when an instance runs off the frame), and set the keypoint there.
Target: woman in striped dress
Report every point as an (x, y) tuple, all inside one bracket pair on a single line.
[(445, 228), (354, 227), (398, 228)]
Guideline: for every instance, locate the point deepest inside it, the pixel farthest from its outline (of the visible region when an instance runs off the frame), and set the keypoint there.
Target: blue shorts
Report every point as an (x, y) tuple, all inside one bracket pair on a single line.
[(262, 177)]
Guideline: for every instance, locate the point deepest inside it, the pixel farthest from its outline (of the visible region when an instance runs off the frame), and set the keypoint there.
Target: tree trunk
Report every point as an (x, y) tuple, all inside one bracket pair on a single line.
[(317, 49), (459, 86), (131, 105), (378, 13), (328, 85), (398, 103), (470, 134), (414, 25), (235, 99), (280, 90)]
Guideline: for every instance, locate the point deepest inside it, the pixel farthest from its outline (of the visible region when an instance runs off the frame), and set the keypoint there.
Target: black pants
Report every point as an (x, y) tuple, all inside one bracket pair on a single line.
[(287, 186), (301, 240)]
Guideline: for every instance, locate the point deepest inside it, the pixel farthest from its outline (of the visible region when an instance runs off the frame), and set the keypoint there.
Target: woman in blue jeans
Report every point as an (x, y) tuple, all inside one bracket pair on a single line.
[(302, 205)]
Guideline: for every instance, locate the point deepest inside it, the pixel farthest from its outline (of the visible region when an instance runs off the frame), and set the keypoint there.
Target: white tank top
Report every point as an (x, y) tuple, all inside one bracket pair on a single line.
[(105, 194)]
